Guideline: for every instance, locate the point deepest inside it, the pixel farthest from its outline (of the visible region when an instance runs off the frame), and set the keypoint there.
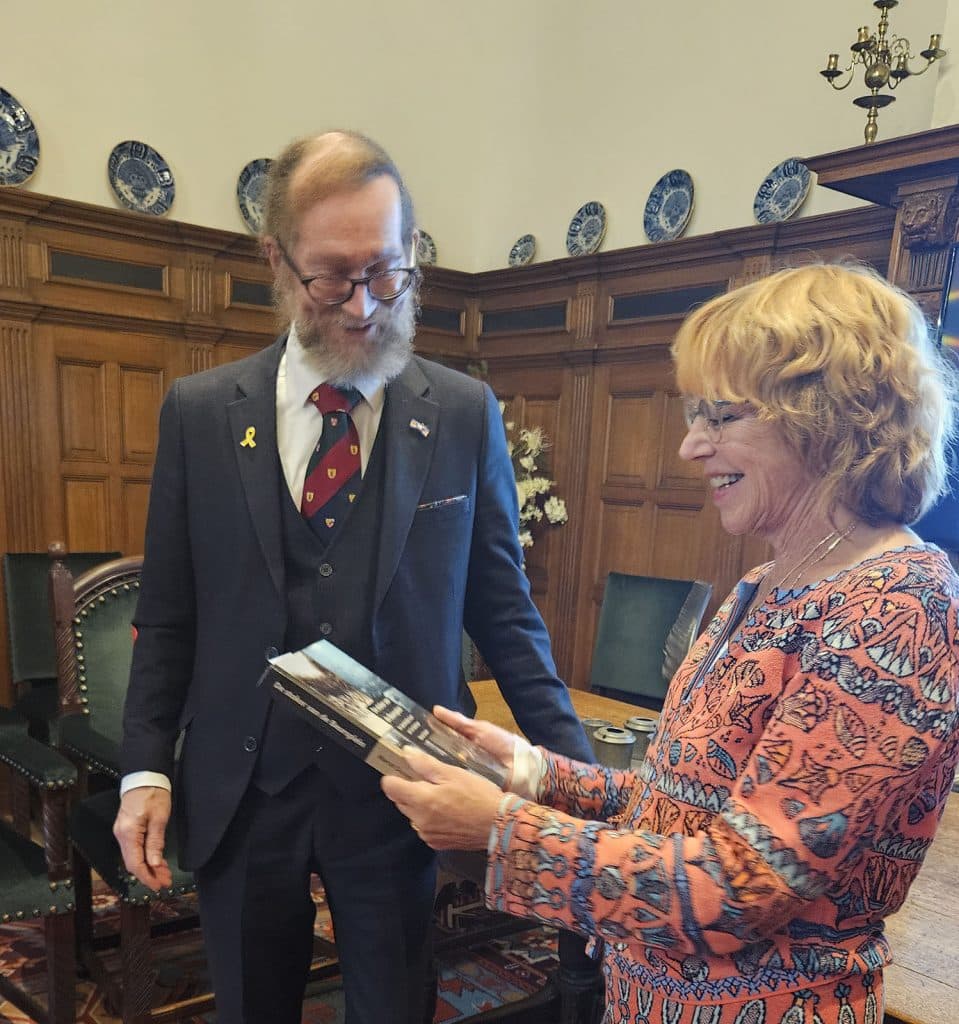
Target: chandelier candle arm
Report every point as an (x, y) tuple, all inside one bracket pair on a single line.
[(885, 60)]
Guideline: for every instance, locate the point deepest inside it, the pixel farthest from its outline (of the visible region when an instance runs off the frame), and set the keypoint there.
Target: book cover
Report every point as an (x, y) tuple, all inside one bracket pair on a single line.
[(363, 713)]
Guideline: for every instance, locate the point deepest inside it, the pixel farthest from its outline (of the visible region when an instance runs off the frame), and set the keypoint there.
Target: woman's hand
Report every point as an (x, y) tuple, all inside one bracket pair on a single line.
[(451, 808), (497, 742)]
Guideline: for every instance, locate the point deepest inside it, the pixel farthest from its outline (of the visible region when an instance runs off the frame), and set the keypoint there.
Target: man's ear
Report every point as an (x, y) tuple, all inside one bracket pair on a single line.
[(416, 242), (272, 252)]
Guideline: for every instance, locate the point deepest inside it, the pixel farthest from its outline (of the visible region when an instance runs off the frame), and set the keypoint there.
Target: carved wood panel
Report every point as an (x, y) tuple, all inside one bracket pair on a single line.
[(104, 390)]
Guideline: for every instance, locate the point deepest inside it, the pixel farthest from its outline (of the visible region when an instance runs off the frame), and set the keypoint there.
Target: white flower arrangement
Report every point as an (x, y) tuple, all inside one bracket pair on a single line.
[(526, 447)]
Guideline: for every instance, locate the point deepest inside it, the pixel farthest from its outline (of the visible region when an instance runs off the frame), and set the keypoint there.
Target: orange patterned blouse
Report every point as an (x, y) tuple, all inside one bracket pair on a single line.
[(802, 764)]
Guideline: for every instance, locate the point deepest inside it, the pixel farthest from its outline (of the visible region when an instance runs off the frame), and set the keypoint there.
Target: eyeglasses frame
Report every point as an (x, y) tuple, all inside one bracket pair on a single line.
[(354, 281), (703, 408)]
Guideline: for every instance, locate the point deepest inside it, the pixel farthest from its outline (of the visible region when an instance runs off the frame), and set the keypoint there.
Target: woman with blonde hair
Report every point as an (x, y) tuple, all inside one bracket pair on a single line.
[(808, 744)]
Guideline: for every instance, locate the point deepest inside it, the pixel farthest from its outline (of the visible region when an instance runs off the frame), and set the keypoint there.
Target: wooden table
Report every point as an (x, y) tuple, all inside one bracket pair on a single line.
[(491, 706), (922, 985)]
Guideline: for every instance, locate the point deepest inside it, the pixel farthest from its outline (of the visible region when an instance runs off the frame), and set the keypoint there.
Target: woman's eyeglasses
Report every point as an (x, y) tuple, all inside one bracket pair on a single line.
[(715, 415)]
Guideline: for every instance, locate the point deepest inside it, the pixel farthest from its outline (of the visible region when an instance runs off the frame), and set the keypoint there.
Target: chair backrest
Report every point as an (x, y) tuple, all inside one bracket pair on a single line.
[(93, 617), (684, 631), (635, 622), (32, 652)]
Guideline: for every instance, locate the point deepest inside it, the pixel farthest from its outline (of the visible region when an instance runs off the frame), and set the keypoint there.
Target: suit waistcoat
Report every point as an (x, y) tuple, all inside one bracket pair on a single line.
[(329, 596)]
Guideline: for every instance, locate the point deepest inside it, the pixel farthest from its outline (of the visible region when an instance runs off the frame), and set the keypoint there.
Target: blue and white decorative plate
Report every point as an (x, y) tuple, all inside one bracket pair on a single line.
[(586, 229), (425, 249), (522, 251), (19, 143), (250, 192), (783, 192), (668, 207), (140, 178)]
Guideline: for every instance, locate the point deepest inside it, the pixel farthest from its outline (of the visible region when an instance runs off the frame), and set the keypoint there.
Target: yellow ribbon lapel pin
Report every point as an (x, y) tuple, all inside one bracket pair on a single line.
[(249, 440)]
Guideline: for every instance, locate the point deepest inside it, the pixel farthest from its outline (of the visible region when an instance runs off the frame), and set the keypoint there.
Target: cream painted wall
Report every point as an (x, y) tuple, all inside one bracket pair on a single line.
[(505, 115), (946, 108)]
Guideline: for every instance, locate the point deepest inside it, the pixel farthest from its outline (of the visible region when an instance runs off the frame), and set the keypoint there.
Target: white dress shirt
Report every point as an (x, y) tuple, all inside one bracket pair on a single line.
[(298, 426)]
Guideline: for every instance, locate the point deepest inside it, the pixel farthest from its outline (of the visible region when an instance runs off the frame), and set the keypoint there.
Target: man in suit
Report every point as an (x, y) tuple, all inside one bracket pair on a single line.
[(250, 551)]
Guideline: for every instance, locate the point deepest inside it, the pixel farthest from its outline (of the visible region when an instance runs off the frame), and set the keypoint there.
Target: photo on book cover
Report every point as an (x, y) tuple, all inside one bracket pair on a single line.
[(363, 713)]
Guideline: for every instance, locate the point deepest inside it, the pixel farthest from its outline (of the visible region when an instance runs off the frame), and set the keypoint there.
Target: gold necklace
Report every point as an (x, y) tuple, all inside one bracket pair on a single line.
[(828, 544)]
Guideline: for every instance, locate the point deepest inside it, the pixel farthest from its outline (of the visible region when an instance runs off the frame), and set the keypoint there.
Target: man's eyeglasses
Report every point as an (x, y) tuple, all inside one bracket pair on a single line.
[(714, 415), (384, 285)]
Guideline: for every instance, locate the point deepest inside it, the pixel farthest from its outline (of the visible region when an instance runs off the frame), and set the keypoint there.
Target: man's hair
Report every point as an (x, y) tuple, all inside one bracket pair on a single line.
[(334, 162), (842, 362)]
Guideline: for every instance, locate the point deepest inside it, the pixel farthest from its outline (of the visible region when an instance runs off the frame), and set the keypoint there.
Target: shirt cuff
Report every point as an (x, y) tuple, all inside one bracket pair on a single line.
[(529, 767), (137, 779)]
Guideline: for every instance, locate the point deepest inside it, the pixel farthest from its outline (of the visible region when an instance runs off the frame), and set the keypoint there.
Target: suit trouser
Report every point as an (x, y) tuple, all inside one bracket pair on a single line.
[(258, 916)]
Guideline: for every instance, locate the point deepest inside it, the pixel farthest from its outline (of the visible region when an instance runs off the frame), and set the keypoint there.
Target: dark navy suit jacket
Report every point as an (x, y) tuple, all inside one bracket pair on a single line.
[(212, 601)]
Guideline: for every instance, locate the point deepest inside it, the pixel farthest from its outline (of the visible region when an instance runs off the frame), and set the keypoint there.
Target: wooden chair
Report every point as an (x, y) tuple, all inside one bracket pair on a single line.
[(94, 644), (33, 659), (35, 880), (646, 627)]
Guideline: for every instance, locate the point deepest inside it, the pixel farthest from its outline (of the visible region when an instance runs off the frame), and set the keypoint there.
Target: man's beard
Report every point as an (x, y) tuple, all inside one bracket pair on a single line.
[(343, 360)]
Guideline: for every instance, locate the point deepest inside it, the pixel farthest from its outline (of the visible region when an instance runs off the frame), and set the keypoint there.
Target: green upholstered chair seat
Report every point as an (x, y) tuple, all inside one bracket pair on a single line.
[(91, 829), (26, 891)]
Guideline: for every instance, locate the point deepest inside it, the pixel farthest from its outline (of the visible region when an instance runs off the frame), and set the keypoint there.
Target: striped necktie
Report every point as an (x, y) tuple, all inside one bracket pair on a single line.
[(333, 474)]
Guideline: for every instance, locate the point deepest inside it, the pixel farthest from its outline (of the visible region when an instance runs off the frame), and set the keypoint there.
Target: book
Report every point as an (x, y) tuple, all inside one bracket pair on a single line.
[(363, 713)]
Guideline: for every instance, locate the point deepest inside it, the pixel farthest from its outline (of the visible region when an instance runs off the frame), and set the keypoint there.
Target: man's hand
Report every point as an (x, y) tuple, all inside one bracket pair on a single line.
[(140, 830), (451, 809)]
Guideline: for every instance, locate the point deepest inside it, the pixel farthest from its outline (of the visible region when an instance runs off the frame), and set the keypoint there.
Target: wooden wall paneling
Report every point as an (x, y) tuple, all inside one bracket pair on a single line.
[(540, 314), (101, 391), (571, 473), (20, 460), (647, 510), (555, 395), (536, 341), (21, 524), (244, 293), (101, 309), (447, 324)]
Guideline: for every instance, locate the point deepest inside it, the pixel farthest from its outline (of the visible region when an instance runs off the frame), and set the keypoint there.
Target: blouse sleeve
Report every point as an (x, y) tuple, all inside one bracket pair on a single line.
[(859, 746), (589, 791)]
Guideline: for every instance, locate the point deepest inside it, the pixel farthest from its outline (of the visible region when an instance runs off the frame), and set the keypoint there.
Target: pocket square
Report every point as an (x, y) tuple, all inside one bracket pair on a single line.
[(428, 506)]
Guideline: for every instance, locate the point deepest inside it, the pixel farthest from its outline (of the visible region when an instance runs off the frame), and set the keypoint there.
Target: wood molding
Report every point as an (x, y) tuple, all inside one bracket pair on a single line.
[(13, 255), (568, 569), (877, 171), (19, 464), (200, 277)]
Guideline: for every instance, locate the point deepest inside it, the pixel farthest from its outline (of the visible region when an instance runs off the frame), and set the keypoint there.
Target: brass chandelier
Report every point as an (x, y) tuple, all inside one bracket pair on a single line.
[(885, 59)]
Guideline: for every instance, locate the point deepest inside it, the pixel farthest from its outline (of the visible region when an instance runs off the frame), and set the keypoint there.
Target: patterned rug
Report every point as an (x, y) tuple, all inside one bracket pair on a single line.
[(483, 977)]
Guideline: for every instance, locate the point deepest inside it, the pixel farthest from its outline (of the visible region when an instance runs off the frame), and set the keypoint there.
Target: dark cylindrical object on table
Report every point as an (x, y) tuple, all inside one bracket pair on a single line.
[(613, 746), (643, 729), (590, 725)]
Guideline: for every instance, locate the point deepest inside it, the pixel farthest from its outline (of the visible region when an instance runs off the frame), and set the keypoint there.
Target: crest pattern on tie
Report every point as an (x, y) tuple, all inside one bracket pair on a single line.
[(333, 477)]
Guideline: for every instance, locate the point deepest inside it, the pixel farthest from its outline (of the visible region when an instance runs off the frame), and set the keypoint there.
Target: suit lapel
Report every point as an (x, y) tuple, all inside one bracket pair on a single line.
[(411, 419), (252, 418)]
